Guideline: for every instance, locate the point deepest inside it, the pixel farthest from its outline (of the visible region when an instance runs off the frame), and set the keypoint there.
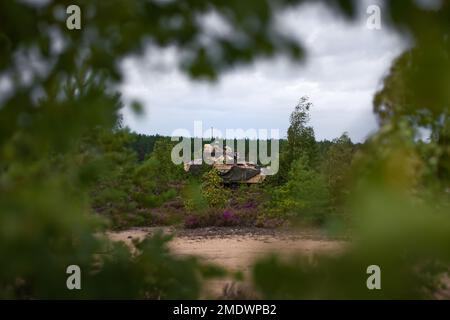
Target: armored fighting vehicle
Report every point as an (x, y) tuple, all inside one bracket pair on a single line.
[(230, 169)]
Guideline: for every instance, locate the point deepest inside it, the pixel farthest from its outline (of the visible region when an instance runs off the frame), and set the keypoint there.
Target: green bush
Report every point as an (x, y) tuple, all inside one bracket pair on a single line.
[(156, 200), (336, 169), (193, 199), (153, 201), (110, 195), (124, 184), (304, 196), (213, 191)]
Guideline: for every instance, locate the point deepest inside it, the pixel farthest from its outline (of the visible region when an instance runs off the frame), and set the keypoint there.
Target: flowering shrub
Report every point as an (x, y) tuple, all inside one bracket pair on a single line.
[(228, 218), (192, 221)]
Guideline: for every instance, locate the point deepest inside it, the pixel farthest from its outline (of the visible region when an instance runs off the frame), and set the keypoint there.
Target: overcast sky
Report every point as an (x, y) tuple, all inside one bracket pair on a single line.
[(345, 65)]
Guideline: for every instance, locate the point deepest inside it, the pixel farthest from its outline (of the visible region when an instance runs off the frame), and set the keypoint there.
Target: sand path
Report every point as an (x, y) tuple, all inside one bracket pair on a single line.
[(237, 248)]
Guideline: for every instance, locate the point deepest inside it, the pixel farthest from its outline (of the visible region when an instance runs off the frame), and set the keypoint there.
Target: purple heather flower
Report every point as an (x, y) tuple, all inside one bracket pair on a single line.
[(191, 221), (227, 215)]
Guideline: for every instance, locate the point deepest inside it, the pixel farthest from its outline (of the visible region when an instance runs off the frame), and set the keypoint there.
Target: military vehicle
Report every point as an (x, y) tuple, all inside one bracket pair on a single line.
[(225, 161)]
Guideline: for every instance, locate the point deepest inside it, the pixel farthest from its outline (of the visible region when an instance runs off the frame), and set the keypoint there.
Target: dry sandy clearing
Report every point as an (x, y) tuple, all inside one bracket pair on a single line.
[(236, 248)]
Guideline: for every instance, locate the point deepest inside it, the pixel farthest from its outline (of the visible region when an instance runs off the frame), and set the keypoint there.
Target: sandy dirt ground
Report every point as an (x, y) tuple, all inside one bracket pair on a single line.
[(237, 248)]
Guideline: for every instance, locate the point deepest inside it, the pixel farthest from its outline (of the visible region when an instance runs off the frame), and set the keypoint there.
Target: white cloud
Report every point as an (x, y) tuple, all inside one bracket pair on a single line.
[(344, 66)]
